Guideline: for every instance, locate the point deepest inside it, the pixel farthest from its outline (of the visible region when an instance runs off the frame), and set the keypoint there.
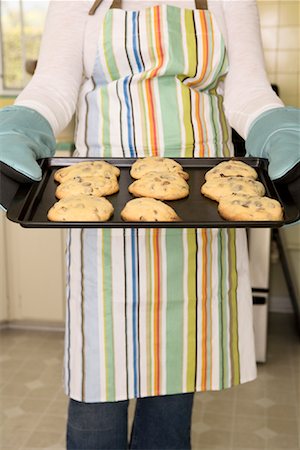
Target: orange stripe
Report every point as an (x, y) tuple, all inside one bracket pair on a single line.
[(211, 309), (156, 313), (152, 123), (197, 113), (204, 317), (153, 74), (204, 48), (158, 44)]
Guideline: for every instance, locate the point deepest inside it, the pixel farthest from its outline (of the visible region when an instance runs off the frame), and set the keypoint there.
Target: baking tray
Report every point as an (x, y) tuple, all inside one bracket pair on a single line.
[(31, 203)]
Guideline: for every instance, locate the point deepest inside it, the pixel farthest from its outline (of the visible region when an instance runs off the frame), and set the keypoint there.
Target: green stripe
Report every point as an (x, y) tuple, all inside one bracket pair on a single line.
[(222, 294), (106, 122), (150, 41), (233, 281), (149, 314), (143, 117), (176, 62), (223, 124), (170, 116), (191, 42), (108, 315), (192, 304), (189, 135), (192, 66), (174, 312), (108, 48), (224, 287), (208, 309), (214, 115)]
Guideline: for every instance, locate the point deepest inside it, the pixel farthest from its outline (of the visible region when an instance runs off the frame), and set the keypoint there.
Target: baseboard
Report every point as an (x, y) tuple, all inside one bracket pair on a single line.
[(32, 325), (280, 304)]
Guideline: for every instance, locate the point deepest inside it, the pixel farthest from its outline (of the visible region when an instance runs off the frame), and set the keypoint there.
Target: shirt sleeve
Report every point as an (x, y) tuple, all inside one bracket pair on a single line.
[(54, 87), (247, 91)]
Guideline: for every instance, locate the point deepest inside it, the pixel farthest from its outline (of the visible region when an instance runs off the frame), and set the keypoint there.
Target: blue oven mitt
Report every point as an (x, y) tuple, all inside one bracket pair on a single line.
[(25, 137), (275, 135)]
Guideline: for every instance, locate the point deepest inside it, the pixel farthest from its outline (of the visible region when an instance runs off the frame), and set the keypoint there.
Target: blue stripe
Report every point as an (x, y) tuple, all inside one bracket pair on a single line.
[(68, 318), (135, 41), (128, 116), (91, 313), (134, 312)]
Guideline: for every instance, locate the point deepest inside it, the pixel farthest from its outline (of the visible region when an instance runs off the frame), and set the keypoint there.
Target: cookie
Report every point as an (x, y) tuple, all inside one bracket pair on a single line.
[(160, 185), (98, 186), (148, 210), (231, 168), (81, 208), (143, 166), (86, 169), (241, 207), (219, 187)]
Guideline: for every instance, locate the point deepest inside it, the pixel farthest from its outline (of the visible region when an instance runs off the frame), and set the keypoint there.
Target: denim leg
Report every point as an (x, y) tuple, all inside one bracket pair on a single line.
[(97, 426), (163, 423)]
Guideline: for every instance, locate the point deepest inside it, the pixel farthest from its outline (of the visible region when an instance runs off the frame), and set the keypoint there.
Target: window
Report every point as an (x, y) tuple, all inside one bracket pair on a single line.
[(21, 27)]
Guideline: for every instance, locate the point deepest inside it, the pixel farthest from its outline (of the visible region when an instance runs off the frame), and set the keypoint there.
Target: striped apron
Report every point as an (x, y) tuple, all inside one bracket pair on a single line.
[(156, 311)]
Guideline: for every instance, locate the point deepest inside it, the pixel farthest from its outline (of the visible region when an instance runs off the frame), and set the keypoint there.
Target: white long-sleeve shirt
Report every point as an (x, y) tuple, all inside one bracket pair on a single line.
[(65, 59)]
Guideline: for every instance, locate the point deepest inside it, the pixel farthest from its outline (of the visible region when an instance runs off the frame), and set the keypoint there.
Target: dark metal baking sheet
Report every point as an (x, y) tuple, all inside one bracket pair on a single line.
[(31, 203)]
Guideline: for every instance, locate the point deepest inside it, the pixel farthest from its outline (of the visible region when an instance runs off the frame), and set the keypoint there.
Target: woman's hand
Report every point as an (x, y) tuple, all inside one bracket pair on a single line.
[(25, 137), (275, 135)]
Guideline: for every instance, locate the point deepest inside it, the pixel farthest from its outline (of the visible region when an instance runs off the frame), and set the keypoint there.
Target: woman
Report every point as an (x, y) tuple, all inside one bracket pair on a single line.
[(151, 314)]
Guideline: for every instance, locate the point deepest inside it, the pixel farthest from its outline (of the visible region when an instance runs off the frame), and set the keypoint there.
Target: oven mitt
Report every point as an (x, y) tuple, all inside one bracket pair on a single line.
[(275, 135), (25, 137)]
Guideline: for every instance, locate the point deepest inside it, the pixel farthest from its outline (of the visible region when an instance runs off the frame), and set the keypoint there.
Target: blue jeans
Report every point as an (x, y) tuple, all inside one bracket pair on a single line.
[(159, 423)]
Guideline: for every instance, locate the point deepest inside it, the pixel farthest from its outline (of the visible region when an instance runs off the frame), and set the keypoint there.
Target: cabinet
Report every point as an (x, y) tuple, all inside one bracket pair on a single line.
[(3, 272), (32, 267)]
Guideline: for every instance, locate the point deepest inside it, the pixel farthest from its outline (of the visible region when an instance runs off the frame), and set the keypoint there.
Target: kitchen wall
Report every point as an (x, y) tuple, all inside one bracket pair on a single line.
[(280, 27)]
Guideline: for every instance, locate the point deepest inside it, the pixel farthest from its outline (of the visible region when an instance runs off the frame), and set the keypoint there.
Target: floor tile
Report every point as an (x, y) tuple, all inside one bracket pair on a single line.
[(262, 414), (41, 440)]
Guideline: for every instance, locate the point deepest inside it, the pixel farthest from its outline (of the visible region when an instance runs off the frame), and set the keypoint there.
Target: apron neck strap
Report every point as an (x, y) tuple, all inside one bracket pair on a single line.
[(200, 4)]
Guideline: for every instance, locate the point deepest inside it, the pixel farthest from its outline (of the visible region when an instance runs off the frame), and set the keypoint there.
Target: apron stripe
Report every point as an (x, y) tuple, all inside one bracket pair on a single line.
[(135, 42), (210, 273), (129, 116), (204, 48), (138, 313), (139, 42), (152, 125), (157, 307), (196, 309), (125, 311), (204, 306), (108, 48), (235, 365), (107, 307), (192, 308), (126, 18), (68, 317), (105, 129), (134, 311), (91, 322), (120, 104), (158, 43), (149, 296), (220, 301), (82, 316), (174, 312)]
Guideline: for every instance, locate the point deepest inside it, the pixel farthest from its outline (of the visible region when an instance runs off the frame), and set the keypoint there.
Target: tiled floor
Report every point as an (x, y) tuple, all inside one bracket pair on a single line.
[(263, 414)]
